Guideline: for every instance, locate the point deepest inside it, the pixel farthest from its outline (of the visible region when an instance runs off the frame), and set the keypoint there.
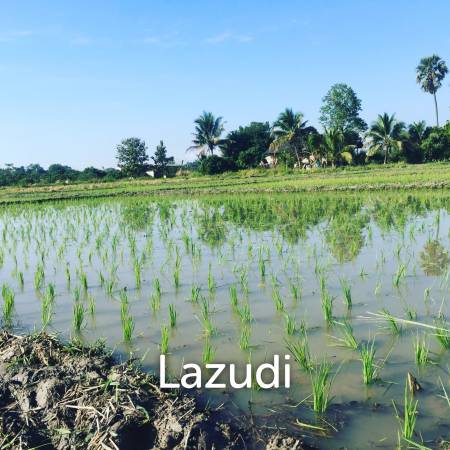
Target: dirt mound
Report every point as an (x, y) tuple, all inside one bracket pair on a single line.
[(56, 396)]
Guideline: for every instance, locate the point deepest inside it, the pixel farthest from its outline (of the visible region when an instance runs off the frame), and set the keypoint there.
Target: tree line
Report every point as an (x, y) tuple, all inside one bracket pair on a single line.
[(346, 138), (289, 141)]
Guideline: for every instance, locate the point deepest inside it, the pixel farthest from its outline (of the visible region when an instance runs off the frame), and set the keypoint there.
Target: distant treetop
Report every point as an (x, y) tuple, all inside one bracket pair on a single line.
[(341, 108)]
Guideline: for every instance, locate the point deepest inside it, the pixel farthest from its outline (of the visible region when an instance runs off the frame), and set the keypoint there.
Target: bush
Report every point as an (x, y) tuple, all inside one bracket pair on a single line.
[(437, 145), (211, 165)]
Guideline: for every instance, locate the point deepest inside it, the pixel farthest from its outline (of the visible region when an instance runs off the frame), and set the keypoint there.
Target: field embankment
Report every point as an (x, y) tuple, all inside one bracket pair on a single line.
[(55, 396), (391, 177)]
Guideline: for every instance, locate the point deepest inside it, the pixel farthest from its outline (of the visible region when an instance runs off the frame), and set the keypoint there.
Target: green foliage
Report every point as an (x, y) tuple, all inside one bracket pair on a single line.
[(333, 147), (208, 130), (161, 160), (341, 108), (385, 135), (321, 386), (436, 146), (430, 73), (132, 157), (214, 164), (247, 145), (290, 132)]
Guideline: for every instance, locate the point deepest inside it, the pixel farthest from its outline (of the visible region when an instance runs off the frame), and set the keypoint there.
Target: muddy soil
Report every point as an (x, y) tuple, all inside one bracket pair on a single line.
[(68, 396)]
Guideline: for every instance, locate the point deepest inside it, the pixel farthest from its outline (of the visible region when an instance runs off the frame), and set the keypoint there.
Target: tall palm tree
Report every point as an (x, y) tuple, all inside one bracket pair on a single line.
[(289, 132), (385, 135), (208, 130), (333, 144), (430, 73)]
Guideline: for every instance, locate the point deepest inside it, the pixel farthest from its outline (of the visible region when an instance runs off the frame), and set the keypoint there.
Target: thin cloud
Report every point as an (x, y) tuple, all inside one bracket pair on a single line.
[(164, 40), (81, 40), (152, 40), (228, 36), (14, 35)]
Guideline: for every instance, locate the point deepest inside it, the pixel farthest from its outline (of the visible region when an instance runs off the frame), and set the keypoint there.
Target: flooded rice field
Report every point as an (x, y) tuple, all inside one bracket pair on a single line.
[(354, 287)]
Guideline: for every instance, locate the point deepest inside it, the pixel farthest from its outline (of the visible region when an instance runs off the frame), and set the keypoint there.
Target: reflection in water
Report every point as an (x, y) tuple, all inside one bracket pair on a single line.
[(434, 258), (247, 275)]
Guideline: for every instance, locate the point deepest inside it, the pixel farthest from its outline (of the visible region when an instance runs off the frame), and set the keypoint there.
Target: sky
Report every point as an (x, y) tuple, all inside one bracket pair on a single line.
[(78, 77)]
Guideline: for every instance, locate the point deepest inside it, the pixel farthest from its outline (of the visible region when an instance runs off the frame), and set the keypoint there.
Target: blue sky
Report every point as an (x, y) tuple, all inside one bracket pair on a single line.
[(77, 77)]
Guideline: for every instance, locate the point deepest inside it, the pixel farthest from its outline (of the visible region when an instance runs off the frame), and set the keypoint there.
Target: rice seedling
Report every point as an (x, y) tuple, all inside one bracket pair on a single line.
[(8, 303), (211, 281), (50, 292), (346, 292), (421, 350), (399, 275), (442, 332), (290, 325), (20, 279), (244, 338), (176, 277), (91, 305), (195, 294), (78, 316), (177, 269), (208, 352), (47, 311), (392, 323), (84, 281), (377, 289), (348, 338), (208, 327), (244, 313), (77, 294), (157, 287), (67, 275), (276, 296), (369, 367), (155, 299), (39, 277), (137, 273), (233, 296), (321, 383), (327, 306), (408, 421), (411, 313), (322, 284), (110, 285), (243, 279), (127, 328), (164, 339), (296, 292), (172, 316), (300, 352), (261, 264)]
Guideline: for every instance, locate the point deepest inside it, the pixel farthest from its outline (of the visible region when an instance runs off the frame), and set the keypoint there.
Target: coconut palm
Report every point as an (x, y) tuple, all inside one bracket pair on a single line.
[(418, 131), (334, 147), (289, 132), (385, 135), (208, 130), (430, 73)]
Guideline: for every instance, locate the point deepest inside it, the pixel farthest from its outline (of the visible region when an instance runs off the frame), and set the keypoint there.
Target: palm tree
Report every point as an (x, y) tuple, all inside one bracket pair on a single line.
[(333, 145), (385, 134), (430, 73), (208, 130), (418, 131), (289, 132)]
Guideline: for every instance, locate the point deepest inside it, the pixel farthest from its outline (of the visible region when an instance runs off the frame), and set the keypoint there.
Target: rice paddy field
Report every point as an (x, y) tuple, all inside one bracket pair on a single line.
[(354, 286), (357, 178)]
